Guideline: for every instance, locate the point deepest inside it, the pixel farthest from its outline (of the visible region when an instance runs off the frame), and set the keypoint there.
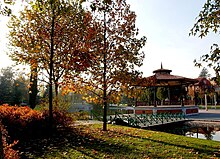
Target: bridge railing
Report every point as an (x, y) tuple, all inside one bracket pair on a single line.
[(145, 120)]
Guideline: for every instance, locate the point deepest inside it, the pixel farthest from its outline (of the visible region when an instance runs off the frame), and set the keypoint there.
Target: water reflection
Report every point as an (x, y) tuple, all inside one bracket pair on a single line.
[(196, 129), (209, 133)]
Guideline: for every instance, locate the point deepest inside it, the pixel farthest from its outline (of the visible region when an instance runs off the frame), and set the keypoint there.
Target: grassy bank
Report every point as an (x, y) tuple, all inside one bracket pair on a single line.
[(89, 141), (209, 107)]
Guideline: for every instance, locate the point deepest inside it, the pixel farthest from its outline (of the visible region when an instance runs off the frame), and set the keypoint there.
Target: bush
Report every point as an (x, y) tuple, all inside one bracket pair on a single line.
[(19, 120), (60, 118), (8, 151), (82, 115), (23, 123), (23, 120)]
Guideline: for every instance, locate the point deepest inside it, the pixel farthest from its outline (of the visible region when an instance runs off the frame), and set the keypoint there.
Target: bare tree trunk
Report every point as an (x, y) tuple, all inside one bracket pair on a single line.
[(33, 87), (51, 67), (104, 80), (56, 93)]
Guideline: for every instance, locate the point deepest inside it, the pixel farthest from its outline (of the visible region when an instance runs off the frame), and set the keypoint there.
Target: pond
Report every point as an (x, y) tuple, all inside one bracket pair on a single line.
[(196, 129), (213, 135)]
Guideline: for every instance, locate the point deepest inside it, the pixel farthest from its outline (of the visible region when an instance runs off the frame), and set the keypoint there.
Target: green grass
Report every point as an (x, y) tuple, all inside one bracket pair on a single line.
[(120, 143), (209, 107)]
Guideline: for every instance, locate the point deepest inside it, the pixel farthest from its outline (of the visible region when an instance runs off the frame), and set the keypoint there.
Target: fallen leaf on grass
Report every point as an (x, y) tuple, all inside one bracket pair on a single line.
[(94, 151)]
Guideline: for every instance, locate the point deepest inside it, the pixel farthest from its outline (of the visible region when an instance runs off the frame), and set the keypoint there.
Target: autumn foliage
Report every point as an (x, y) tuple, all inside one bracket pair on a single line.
[(23, 123), (9, 152)]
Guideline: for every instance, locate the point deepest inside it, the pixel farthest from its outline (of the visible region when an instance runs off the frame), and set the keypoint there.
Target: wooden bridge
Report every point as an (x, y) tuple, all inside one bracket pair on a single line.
[(146, 120)]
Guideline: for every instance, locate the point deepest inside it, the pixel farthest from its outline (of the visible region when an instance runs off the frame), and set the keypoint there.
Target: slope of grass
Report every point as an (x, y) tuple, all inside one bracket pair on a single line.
[(209, 107), (118, 142)]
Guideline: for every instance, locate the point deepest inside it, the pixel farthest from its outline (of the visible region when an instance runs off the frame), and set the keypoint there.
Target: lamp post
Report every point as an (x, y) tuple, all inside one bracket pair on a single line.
[(206, 107), (215, 100)]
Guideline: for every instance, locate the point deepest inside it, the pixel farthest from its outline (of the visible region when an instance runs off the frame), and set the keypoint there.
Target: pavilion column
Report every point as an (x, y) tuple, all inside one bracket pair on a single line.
[(206, 105), (155, 104), (215, 102), (195, 95), (182, 94), (169, 95), (181, 100)]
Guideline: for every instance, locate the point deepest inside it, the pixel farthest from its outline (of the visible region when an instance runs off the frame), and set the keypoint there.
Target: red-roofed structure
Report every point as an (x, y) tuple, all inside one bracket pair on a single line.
[(162, 77), (177, 99), (177, 87)]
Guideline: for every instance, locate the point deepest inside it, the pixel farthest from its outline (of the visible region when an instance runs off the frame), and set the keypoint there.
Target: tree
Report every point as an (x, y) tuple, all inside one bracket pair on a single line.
[(33, 86), (161, 94), (6, 85), (53, 36), (208, 20), (4, 9), (20, 90), (204, 73), (13, 86), (148, 95), (118, 51)]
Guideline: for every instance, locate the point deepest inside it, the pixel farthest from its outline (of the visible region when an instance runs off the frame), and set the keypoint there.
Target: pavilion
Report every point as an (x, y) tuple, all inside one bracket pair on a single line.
[(177, 91)]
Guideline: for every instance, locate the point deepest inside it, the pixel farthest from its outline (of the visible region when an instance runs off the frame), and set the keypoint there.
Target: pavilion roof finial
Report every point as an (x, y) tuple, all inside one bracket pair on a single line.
[(162, 70)]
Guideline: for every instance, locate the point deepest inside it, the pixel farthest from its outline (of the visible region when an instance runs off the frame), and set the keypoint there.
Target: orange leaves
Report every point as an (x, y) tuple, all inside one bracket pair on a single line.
[(118, 42), (25, 120), (22, 123), (9, 153), (19, 115), (67, 89)]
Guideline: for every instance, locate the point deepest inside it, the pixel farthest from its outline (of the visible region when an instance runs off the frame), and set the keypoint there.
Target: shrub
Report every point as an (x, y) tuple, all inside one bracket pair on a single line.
[(82, 115), (23, 123), (8, 151), (23, 120), (60, 118), (19, 120)]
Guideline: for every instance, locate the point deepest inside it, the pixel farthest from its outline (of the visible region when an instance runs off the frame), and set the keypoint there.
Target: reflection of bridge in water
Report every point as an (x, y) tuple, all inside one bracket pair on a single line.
[(145, 120)]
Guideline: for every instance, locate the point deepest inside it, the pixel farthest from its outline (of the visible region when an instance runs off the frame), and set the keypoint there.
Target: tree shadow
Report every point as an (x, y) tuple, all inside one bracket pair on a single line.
[(72, 138), (205, 149)]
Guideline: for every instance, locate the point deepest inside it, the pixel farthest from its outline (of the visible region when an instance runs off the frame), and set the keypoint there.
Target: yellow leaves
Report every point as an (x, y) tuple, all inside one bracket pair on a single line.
[(91, 99), (66, 89), (28, 17)]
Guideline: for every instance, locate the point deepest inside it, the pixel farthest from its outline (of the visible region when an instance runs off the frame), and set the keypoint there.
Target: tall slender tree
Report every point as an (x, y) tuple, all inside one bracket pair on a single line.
[(118, 51), (54, 38)]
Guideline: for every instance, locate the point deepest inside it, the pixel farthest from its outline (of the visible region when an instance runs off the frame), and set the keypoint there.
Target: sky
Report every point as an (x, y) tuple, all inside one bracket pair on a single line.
[(166, 24)]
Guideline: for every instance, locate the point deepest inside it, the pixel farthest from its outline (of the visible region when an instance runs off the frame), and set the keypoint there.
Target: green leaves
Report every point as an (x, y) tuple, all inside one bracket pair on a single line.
[(212, 60), (208, 19)]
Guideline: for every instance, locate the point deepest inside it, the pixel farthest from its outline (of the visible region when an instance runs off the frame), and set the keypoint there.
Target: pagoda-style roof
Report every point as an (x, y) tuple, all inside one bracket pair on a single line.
[(162, 77), (162, 70), (172, 80)]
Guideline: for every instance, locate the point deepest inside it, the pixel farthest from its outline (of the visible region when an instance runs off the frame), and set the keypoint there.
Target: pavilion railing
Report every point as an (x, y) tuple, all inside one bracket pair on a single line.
[(172, 102)]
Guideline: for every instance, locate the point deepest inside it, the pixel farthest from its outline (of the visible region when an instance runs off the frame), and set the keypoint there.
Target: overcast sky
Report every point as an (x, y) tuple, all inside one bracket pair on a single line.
[(166, 24)]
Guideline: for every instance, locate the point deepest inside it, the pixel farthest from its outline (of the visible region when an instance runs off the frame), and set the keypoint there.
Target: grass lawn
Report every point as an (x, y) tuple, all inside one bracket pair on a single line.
[(209, 107), (89, 141)]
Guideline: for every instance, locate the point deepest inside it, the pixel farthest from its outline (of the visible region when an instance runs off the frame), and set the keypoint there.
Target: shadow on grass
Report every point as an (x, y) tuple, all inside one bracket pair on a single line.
[(201, 148), (75, 139), (66, 142)]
